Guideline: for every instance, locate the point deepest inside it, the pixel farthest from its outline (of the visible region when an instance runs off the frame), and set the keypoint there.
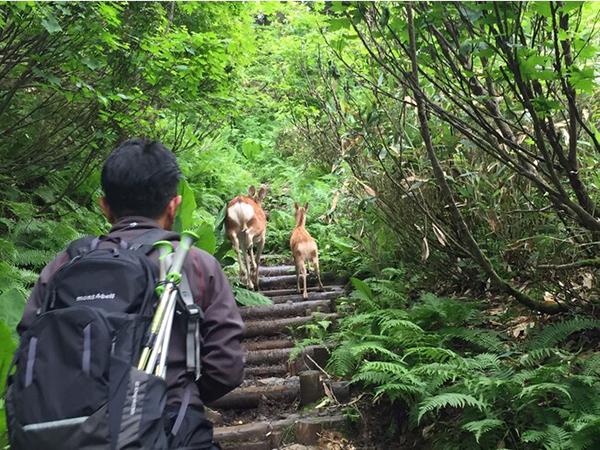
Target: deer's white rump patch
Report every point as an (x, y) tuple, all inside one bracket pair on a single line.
[(241, 213)]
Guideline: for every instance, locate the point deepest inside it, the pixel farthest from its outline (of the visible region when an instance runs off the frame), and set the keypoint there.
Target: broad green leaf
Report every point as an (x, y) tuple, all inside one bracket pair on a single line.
[(8, 345), (185, 212), (12, 304), (251, 148), (362, 287), (206, 238), (244, 297), (51, 24)]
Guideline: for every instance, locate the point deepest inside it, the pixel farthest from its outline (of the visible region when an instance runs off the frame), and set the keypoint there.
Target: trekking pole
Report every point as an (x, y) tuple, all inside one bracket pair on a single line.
[(165, 248), (164, 335), (166, 305)]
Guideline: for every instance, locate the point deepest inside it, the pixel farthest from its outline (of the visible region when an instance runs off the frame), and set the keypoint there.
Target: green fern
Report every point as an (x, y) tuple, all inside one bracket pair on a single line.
[(486, 340), (436, 354), (452, 399), (343, 360), (544, 388), (552, 438), (300, 346), (538, 355), (591, 365), (556, 333), (480, 427)]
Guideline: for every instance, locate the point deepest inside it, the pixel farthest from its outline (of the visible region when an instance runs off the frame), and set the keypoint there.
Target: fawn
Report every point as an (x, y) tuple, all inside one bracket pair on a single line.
[(246, 225), (304, 248)]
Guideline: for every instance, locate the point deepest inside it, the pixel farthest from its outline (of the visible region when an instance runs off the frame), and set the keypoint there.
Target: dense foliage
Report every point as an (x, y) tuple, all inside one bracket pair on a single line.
[(448, 152)]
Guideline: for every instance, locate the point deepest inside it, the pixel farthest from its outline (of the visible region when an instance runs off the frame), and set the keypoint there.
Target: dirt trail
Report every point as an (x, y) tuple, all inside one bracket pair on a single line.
[(274, 408)]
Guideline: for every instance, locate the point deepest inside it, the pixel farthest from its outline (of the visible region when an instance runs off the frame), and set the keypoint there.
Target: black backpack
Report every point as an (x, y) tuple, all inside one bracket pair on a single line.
[(76, 385)]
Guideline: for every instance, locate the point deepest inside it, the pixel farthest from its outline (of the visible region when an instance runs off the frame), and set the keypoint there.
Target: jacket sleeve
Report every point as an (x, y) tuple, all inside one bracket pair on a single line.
[(36, 298), (222, 331)]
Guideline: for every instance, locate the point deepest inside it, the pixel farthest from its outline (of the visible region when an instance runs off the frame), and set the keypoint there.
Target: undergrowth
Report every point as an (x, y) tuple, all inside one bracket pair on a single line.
[(462, 384)]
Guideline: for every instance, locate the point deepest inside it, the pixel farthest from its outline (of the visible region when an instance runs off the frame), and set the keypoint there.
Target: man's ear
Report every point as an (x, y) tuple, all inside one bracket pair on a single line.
[(173, 206), (110, 216), (306, 207), (251, 191)]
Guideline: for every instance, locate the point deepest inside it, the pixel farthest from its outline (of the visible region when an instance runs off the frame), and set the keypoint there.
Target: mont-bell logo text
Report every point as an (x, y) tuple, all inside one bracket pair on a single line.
[(98, 296)]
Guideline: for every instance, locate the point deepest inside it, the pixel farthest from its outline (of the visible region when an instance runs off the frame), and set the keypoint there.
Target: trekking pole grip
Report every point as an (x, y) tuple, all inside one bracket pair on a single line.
[(187, 241), (164, 249)]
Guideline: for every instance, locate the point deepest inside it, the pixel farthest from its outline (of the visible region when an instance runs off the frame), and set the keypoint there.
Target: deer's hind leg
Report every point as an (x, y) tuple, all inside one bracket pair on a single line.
[(315, 261), (236, 246), (249, 283), (259, 249)]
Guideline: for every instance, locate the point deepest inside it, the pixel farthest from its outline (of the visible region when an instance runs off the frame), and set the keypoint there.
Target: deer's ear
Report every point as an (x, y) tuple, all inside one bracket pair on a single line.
[(296, 206), (306, 207), (261, 193), (251, 191)]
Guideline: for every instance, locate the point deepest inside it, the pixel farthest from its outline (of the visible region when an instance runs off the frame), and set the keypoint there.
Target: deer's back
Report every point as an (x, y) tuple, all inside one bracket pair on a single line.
[(302, 244)]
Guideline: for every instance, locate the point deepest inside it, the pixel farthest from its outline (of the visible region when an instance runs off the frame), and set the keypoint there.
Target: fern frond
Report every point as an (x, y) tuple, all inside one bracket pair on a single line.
[(538, 355), (399, 390), (343, 360), (552, 438), (453, 399), (558, 332), (480, 427), (436, 354), (394, 325), (35, 257), (591, 365), (364, 348), (300, 346), (392, 368), (486, 340), (368, 377), (545, 388)]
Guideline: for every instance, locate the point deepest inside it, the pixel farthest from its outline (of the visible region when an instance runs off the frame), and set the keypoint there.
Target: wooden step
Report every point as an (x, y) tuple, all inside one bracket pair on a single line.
[(270, 271), (252, 396), (276, 370), (275, 356), (281, 326), (285, 309), (268, 344), (292, 291), (265, 445), (311, 296), (279, 281), (308, 427)]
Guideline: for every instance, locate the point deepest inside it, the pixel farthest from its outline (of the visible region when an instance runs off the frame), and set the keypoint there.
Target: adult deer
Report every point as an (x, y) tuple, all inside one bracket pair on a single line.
[(246, 225), (304, 248)]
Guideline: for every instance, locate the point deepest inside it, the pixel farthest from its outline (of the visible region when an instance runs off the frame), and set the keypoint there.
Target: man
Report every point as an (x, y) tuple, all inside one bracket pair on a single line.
[(140, 181)]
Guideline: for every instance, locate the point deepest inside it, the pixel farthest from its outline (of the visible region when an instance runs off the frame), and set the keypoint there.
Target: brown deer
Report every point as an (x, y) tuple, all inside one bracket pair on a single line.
[(246, 225), (304, 248)]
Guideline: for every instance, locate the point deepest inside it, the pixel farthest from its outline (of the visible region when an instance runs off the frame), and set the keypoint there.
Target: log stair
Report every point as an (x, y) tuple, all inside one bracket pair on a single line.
[(269, 410)]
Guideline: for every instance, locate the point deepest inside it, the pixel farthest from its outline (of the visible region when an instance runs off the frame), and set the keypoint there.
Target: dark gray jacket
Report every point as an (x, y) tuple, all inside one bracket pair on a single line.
[(222, 329)]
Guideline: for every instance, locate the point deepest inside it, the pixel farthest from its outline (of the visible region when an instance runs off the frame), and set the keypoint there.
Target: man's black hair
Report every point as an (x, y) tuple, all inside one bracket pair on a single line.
[(139, 178)]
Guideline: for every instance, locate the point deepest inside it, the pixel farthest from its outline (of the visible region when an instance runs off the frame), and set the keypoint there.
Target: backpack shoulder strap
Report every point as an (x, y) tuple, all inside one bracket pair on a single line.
[(144, 241), (152, 235), (76, 247), (195, 316)]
